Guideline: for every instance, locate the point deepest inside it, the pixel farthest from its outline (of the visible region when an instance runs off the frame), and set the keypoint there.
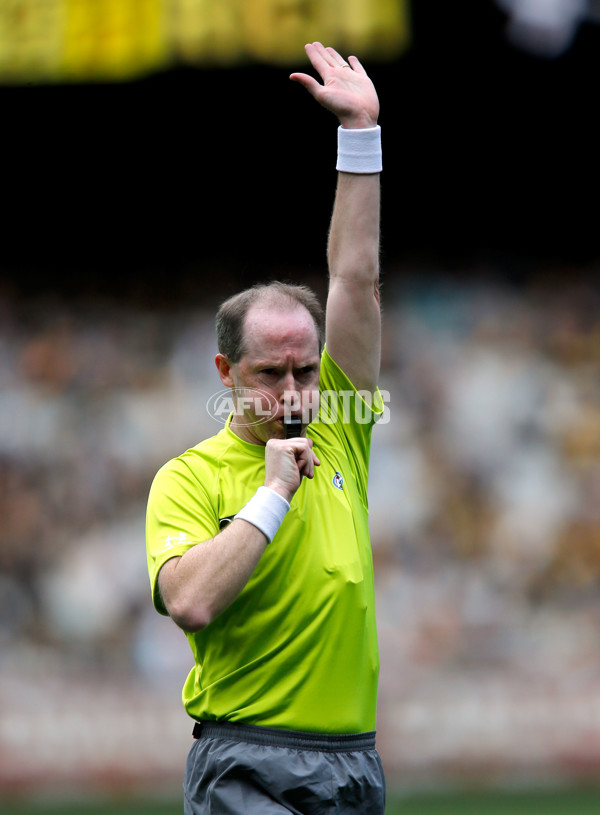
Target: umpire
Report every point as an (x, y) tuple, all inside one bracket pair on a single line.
[(258, 544)]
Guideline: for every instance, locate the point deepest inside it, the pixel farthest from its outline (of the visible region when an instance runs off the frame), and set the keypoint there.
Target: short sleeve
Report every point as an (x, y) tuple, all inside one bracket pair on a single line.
[(179, 515), (350, 415)]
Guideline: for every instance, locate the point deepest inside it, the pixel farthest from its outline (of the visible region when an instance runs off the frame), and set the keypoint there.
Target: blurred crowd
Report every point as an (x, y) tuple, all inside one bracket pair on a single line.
[(484, 491), (485, 485)]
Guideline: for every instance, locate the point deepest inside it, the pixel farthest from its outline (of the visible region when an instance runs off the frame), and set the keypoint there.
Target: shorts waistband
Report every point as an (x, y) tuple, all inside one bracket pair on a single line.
[(274, 737)]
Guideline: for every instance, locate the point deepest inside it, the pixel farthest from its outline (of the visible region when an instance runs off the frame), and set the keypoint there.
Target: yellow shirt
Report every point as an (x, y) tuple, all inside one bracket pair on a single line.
[(297, 649)]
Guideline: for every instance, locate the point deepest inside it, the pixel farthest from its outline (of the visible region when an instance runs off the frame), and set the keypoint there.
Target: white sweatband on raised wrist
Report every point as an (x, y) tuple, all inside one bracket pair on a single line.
[(265, 510), (359, 151)]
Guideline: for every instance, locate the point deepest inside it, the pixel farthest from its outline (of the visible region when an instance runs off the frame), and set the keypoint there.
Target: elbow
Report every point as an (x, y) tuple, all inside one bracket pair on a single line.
[(190, 617), (185, 604)]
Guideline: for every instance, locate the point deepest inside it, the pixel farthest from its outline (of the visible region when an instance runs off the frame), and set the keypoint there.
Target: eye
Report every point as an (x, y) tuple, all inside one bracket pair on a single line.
[(306, 371)]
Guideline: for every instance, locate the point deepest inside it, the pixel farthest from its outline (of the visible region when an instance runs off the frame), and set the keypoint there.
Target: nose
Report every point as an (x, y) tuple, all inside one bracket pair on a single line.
[(289, 397)]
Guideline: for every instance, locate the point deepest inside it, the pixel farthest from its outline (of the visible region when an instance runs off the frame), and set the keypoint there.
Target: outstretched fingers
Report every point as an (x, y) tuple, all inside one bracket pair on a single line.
[(323, 59), (345, 88), (336, 60)]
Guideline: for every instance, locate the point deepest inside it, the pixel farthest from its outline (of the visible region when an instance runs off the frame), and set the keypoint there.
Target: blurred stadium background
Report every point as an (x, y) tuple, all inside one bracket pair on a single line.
[(156, 159)]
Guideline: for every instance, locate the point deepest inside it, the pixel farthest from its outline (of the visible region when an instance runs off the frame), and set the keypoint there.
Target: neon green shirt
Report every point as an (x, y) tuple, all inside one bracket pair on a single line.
[(297, 649)]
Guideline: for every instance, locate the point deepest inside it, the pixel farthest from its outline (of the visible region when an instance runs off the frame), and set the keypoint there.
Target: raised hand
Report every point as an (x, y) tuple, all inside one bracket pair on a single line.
[(346, 91)]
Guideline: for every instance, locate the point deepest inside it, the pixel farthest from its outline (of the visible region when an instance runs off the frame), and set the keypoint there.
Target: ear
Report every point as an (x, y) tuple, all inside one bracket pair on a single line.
[(224, 367)]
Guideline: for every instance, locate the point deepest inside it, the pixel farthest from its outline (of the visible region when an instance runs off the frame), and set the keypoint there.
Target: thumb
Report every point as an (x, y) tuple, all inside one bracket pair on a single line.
[(308, 82)]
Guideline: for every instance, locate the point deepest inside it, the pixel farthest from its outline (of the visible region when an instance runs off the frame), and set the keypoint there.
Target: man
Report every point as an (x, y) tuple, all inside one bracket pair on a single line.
[(258, 545)]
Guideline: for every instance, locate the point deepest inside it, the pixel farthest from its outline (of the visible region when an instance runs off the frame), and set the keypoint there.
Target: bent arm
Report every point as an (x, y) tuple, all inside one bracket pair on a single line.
[(200, 584), (203, 582)]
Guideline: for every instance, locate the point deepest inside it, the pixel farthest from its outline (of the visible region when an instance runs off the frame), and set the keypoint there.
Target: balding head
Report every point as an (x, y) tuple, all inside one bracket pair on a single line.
[(231, 316)]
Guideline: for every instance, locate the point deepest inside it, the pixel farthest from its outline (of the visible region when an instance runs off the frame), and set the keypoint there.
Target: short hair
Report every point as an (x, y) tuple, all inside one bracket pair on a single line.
[(232, 313)]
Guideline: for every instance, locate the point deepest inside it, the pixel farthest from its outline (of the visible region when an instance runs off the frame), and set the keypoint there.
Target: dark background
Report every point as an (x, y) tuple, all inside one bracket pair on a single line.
[(189, 179)]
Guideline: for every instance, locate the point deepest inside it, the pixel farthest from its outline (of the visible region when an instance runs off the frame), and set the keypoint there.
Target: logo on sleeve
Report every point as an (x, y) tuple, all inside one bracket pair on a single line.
[(175, 540), (338, 480)]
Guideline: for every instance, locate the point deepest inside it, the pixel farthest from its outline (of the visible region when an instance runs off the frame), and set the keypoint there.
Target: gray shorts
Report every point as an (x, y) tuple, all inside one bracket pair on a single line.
[(247, 770)]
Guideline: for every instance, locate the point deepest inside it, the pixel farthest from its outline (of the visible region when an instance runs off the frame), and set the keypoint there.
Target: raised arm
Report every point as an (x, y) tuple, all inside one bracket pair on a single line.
[(353, 321)]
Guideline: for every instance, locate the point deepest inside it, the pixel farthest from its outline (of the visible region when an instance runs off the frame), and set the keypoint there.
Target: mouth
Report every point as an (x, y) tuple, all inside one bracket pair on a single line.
[(296, 419)]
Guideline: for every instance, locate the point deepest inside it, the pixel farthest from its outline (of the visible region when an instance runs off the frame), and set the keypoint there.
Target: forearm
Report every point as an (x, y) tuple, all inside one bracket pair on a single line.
[(203, 582), (353, 321), (353, 247)]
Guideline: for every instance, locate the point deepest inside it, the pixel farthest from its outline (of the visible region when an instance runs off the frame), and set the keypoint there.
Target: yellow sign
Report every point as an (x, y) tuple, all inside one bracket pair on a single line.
[(105, 40)]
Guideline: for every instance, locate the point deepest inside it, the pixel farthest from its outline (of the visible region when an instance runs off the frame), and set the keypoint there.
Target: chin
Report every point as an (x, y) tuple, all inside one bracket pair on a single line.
[(267, 431)]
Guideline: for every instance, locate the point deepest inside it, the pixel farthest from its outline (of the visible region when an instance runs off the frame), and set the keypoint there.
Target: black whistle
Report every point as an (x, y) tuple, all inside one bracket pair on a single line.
[(293, 427)]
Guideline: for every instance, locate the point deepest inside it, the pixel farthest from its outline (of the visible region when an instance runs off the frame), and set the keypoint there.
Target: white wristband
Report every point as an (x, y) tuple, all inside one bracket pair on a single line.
[(359, 151), (265, 510)]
